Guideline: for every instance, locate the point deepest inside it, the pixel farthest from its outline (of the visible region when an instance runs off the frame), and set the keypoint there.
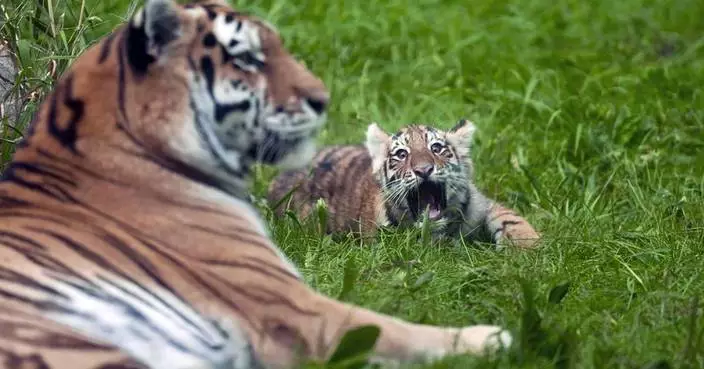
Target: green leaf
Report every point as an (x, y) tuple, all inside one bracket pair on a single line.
[(558, 293), (660, 364), (350, 277), (355, 343), (294, 218), (322, 211), (425, 230), (424, 279), (286, 197), (23, 51)]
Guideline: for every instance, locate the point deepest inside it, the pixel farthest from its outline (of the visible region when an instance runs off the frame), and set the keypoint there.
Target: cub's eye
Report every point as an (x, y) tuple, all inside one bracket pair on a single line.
[(436, 147), (401, 154)]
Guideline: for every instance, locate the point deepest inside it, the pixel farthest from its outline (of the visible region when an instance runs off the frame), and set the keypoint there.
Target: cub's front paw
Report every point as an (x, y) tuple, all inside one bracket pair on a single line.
[(519, 234)]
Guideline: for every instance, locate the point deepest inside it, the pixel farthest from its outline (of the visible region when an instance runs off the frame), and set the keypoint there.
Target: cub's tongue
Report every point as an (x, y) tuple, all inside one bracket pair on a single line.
[(433, 206), (433, 212), (428, 196)]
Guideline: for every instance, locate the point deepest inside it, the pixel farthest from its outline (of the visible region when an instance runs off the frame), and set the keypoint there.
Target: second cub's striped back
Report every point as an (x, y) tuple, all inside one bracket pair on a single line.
[(342, 176)]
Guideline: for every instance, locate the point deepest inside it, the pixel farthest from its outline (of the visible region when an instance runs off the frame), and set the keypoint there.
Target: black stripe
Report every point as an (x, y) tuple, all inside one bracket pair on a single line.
[(54, 265), (31, 215), (362, 168), (105, 47), (355, 163), (268, 270), (44, 171), (7, 202), (272, 296), (38, 304), (221, 110), (68, 136), (502, 213), (26, 282), (47, 189), (73, 167), (21, 238), (136, 44), (237, 233), (208, 69)]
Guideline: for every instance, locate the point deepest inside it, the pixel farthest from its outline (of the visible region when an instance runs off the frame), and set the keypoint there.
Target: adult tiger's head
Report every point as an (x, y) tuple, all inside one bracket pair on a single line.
[(197, 86), (423, 168)]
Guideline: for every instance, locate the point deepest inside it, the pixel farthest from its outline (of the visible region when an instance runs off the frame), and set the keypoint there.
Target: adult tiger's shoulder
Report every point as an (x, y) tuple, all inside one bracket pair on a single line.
[(398, 179), (126, 238)]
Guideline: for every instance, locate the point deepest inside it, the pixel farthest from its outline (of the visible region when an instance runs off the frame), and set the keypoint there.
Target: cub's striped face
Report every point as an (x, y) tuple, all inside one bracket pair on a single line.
[(249, 99), (422, 168)]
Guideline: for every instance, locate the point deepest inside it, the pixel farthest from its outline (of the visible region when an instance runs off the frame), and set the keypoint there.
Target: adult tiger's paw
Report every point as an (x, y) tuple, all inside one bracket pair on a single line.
[(474, 340), (481, 339)]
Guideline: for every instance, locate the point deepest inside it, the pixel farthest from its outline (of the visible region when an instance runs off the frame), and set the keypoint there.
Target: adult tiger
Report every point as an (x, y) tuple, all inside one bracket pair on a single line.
[(125, 237)]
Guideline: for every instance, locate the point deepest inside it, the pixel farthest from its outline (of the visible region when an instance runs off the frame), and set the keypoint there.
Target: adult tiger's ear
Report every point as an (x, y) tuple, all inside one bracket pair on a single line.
[(377, 145), (460, 137), (151, 30)]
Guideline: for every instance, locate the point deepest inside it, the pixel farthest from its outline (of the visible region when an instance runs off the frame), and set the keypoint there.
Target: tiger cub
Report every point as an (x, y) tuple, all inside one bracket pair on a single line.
[(399, 180)]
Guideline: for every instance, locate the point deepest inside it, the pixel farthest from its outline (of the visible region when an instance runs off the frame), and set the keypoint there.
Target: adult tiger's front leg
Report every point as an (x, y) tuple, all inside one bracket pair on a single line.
[(315, 331)]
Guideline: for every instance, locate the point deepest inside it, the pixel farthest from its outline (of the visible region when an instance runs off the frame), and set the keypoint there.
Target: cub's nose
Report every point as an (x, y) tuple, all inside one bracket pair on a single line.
[(423, 171)]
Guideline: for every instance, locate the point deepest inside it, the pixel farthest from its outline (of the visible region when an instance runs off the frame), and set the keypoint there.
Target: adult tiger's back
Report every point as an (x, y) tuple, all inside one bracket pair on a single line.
[(125, 235)]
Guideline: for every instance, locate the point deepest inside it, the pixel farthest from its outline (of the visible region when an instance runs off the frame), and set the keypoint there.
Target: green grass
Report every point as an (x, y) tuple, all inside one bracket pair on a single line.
[(591, 124)]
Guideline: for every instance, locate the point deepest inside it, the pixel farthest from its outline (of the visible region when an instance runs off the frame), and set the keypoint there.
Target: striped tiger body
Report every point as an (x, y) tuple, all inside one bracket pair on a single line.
[(399, 180), (126, 236)]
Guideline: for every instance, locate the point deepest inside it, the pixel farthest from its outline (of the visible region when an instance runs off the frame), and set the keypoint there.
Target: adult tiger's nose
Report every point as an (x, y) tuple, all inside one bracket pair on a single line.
[(423, 171), (313, 92), (318, 101)]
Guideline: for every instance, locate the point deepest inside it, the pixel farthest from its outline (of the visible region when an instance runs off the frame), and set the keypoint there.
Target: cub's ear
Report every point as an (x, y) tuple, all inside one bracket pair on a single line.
[(377, 140), (460, 136), (152, 28), (377, 145)]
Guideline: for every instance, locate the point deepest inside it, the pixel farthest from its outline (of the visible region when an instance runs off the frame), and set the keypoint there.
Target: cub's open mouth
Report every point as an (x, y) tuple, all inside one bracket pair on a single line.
[(430, 195)]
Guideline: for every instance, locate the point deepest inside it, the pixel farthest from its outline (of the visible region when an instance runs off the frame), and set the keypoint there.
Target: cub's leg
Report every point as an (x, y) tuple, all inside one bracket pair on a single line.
[(507, 227), (488, 221)]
